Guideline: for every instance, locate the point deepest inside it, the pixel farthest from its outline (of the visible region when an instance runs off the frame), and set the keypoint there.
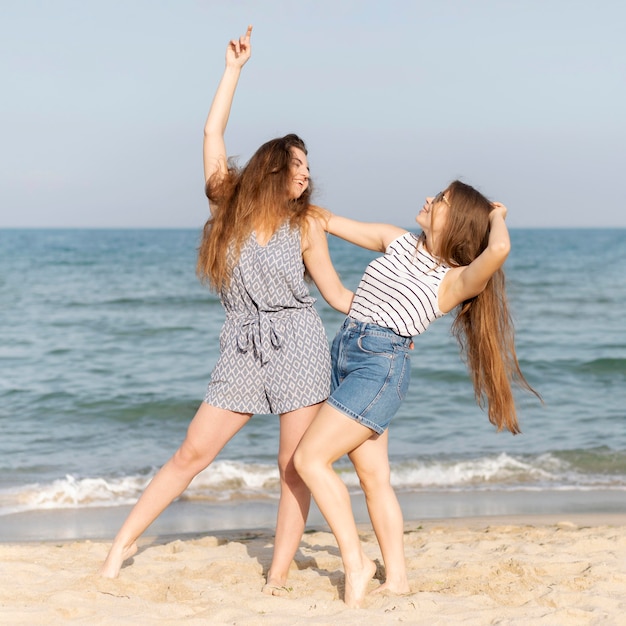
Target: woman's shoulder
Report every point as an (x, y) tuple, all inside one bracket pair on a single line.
[(405, 242)]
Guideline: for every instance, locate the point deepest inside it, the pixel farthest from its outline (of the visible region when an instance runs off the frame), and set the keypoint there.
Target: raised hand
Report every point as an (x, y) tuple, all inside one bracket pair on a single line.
[(239, 50), (215, 159)]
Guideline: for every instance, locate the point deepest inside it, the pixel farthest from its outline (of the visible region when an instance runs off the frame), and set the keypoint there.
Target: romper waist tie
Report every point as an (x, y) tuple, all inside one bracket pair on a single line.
[(257, 332)]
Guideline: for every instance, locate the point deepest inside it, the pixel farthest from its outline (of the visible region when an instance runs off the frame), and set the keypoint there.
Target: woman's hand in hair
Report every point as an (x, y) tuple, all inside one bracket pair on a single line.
[(239, 50), (498, 209), (462, 283)]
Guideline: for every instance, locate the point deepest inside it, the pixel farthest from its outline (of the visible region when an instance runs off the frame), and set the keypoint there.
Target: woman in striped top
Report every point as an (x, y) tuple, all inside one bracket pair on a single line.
[(456, 262)]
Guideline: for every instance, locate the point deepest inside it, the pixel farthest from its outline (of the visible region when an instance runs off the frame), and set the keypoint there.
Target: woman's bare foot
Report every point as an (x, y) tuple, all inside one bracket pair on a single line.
[(116, 557), (356, 583), (275, 590), (276, 586), (393, 588)]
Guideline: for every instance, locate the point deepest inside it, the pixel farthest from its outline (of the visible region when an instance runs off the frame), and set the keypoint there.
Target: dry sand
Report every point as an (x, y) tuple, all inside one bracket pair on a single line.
[(516, 570)]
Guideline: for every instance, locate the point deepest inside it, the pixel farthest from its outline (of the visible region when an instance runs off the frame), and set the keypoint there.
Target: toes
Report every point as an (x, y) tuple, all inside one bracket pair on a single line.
[(276, 590)]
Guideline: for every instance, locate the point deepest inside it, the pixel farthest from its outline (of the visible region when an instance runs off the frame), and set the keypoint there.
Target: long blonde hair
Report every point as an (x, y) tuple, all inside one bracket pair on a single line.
[(482, 325), (253, 197)]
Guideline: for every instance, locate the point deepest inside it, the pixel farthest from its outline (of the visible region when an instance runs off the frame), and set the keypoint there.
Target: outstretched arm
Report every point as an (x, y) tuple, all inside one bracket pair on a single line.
[(215, 159), (364, 234), (317, 261), (466, 282)]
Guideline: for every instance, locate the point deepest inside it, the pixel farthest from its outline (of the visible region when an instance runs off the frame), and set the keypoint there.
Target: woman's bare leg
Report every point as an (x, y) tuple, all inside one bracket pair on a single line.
[(295, 499), (208, 433), (330, 436), (371, 462)]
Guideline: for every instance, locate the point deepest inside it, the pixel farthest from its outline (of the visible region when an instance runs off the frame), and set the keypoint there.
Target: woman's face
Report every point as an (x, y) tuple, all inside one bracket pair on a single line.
[(433, 217), (299, 169)]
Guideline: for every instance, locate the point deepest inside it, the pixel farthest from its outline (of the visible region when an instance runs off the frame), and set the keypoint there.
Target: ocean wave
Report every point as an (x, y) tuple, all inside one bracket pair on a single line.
[(234, 480), (554, 470), (611, 366), (224, 480)]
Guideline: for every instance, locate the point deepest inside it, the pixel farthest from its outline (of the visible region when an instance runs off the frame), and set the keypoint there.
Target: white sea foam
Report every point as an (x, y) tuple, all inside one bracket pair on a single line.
[(498, 470), (223, 480), (232, 480)]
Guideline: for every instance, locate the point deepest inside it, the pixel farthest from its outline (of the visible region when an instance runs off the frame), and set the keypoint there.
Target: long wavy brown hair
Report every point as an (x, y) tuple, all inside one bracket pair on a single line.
[(482, 325), (254, 197)]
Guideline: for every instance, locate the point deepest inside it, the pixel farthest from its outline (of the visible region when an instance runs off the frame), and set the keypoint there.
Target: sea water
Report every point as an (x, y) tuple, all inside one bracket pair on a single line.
[(107, 341)]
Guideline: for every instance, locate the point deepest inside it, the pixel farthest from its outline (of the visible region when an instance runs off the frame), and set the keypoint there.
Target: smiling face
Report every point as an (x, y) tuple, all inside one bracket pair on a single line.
[(299, 169), (433, 217)]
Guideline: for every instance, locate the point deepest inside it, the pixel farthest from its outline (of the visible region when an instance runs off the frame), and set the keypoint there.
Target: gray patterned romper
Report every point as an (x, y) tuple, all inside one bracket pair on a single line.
[(274, 354)]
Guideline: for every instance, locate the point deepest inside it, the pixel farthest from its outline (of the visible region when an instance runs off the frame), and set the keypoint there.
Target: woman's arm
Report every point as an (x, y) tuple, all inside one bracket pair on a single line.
[(468, 281), (215, 159), (364, 234), (317, 261)]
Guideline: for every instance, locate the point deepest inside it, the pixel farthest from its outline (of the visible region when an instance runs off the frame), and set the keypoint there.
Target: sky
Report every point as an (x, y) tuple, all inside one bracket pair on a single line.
[(103, 105)]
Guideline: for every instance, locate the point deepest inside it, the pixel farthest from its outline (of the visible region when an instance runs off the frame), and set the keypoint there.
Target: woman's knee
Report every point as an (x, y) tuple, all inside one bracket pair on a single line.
[(302, 462), (287, 469), (188, 457), (373, 480), (298, 461)]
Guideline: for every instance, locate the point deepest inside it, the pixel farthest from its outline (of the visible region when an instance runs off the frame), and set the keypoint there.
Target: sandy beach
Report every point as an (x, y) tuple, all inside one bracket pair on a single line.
[(541, 569)]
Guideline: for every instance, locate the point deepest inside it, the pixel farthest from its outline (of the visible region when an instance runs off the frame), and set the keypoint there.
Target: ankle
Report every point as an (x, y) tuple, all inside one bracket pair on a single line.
[(276, 579)]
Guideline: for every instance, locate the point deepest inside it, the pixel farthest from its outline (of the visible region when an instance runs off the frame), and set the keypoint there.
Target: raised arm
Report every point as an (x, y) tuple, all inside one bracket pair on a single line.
[(364, 234), (215, 158), (466, 282), (317, 261)]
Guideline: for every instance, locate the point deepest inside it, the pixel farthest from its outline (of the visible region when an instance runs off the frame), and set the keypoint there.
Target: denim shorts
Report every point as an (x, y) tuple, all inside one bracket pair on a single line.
[(371, 373)]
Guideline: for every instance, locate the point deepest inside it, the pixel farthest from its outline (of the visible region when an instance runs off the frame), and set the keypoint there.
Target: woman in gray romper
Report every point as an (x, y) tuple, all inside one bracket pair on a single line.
[(274, 355)]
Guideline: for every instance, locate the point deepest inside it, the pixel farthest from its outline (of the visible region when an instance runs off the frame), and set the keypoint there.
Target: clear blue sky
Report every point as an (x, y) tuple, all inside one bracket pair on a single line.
[(103, 105)]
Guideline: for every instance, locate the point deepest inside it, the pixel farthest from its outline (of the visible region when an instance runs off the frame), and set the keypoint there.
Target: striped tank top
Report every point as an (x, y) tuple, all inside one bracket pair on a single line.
[(399, 290)]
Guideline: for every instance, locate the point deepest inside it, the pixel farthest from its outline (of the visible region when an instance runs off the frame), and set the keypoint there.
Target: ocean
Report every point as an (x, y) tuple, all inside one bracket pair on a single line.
[(107, 340)]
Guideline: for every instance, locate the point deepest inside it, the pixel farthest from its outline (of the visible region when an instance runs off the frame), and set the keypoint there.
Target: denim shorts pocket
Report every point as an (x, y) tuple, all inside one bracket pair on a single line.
[(405, 374), (374, 344)]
